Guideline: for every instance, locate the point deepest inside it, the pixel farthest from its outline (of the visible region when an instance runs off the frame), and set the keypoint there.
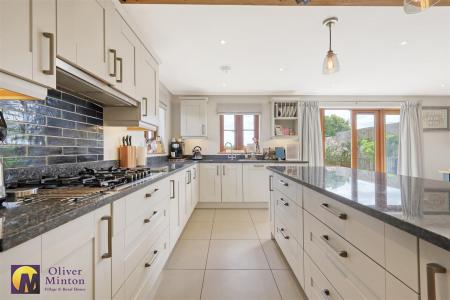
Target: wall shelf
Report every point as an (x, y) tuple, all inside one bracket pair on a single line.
[(284, 117)]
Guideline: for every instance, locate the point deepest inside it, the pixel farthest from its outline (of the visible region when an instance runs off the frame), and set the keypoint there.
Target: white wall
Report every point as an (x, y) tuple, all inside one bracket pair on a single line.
[(113, 135), (436, 143)]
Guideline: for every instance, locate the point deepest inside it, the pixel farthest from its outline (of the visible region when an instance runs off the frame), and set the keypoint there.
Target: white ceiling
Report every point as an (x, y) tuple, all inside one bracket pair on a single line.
[(261, 40)]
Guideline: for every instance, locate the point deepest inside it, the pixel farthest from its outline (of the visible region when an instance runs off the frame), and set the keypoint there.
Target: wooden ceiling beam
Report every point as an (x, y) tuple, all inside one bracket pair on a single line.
[(280, 2)]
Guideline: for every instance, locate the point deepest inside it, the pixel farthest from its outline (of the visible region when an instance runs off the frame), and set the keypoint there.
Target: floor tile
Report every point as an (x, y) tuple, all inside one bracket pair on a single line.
[(288, 285), (239, 284), (234, 230), (274, 255), (259, 214), (202, 215), (197, 231), (263, 230), (236, 254), (189, 254), (179, 285), (232, 215)]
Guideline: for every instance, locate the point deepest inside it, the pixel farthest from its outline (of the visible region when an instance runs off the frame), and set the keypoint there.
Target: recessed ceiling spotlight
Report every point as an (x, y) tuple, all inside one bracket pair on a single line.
[(224, 84), (403, 43), (443, 85), (226, 69), (223, 42), (281, 69)]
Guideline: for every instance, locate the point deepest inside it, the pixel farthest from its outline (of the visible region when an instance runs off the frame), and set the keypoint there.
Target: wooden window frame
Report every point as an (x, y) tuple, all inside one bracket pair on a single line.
[(380, 146), (239, 131)]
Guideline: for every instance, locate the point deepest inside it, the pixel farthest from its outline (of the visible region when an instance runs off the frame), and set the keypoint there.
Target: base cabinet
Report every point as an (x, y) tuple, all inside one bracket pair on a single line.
[(221, 182)]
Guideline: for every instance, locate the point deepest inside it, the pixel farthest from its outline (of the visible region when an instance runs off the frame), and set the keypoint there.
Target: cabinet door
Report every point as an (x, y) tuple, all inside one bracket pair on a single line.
[(434, 272), (174, 211), (195, 185), (256, 185), (44, 38), (125, 61), (232, 182), (16, 47), (28, 253), (113, 22), (189, 204), (146, 85), (70, 246), (103, 252), (66, 18), (182, 199), (91, 37), (193, 118), (210, 185)]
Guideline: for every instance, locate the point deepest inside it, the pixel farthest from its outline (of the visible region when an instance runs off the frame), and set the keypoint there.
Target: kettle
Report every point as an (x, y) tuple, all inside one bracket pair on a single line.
[(196, 153)]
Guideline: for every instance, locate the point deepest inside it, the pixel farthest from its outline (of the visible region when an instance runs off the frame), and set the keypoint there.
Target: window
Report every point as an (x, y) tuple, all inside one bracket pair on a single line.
[(362, 139), (238, 130)]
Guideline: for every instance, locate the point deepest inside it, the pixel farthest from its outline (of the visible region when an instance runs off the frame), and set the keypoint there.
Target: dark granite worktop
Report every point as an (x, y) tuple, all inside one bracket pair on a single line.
[(416, 205), (22, 223)]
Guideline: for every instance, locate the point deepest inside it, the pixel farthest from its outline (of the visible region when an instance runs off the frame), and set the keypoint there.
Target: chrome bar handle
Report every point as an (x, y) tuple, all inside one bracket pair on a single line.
[(282, 230), (148, 195), (51, 68), (109, 253), (114, 72), (120, 61), (270, 183), (150, 263), (341, 253), (144, 99), (217, 170), (326, 206), (325, 293), (223, 170), (284, 183), (432, 270), (147, 220), (172, 195), (285, 203)]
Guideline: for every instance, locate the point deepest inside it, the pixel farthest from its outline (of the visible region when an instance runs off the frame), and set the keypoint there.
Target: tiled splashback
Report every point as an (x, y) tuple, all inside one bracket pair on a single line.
[(61, 129)]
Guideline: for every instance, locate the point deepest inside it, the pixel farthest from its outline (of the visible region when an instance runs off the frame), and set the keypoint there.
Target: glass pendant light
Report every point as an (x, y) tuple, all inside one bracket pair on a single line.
[(331, 63), (417, 6)]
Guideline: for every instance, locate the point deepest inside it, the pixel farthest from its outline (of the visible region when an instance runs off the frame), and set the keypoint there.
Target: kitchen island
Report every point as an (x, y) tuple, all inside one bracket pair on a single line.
[(354, 234)]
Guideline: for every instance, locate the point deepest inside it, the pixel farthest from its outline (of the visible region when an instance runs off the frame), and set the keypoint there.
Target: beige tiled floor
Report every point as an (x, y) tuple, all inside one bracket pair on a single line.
[(227, 254)]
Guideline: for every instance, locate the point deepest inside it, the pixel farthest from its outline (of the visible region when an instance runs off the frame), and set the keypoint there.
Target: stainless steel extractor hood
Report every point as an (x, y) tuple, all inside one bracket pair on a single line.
[(81, 83)]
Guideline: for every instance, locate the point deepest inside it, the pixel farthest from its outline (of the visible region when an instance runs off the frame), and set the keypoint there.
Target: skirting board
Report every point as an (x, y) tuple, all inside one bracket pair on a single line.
[(232, 205)]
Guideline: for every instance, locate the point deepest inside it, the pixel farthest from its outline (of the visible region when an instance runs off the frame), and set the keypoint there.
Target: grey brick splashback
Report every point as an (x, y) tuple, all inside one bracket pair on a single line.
[(61, 129)]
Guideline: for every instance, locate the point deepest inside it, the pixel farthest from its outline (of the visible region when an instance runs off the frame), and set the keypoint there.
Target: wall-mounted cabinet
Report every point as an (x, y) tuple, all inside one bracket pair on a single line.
[(81, 34), (27, 48), (284, 117), (193, 117)]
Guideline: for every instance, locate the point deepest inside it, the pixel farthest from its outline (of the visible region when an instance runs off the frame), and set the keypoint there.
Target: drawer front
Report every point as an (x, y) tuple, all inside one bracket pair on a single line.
[(146, 223), (352, 273), (148, 268), (287, 210), (287, 244), (396, 290), (140, 201), (285, 186), (134, 255), (316, 284), (361, 230)]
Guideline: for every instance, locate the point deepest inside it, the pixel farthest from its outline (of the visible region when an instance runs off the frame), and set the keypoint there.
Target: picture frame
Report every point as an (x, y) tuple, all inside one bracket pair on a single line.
[(435, 118)]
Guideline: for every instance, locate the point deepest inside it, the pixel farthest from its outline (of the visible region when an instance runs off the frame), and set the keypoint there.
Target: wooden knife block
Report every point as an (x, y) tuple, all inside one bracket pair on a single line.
[(127, 156)]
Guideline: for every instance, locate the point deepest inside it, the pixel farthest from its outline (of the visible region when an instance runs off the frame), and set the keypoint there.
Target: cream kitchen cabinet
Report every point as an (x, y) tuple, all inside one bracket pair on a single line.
[(256, 185), (195, 185), (81, 35), (221, 182), (210, 183), (84, 247), (434, 272), (175, 208), (231, 182), (193, 120), (28, 253), (27, 35)]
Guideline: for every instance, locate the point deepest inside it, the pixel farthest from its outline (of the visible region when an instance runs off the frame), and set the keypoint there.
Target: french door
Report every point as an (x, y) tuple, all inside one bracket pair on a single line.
[(361, 139)]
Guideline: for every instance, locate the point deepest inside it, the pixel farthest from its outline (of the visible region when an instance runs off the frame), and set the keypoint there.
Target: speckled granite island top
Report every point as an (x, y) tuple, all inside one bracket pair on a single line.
[(416, 205), (22, 223)]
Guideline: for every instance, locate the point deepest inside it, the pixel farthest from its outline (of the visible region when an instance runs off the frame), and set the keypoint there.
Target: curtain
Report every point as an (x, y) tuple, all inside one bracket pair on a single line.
[(410, 148), (310, 133)]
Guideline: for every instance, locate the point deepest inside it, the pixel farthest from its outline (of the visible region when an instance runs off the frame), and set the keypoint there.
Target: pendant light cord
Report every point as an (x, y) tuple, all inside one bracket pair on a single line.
[(329, 27)]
